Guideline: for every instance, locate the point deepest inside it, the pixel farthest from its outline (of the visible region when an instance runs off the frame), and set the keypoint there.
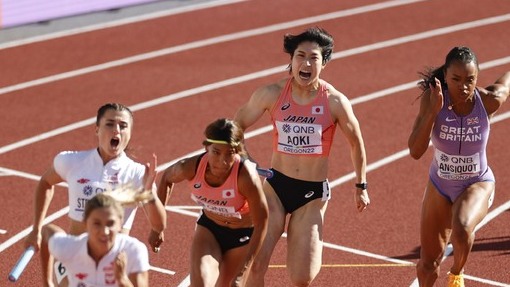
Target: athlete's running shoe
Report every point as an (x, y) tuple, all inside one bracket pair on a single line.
[(455, 280)]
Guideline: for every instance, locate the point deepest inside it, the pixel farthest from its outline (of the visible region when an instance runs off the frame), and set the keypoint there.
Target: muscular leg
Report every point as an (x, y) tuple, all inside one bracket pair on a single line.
[(276, 225), (468, 210), (230, 266), (435, 230), (304, 255), (205, 258)]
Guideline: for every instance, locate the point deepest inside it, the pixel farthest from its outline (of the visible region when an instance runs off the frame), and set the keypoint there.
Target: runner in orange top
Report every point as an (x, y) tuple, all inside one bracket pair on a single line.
[(234, 214), (305, 111)]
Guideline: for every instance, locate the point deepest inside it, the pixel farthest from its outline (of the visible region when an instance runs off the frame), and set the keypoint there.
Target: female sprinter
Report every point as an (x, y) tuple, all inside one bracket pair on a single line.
[(103, 256), (233, 222), (305, 112), (94, 171), (455, 113)]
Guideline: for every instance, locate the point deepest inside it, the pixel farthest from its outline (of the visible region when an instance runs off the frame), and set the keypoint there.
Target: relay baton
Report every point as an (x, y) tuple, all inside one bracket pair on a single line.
[(267, 173), (21, 264)]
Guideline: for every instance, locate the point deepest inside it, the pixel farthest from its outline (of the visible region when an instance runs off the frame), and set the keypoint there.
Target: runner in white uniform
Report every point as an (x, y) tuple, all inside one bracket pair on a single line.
[(86, 176), (88, 173), (81, 269), (102, 256)]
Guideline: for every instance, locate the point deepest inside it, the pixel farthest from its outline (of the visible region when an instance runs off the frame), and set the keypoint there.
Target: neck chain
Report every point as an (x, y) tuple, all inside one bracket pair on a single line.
[(450, 106)]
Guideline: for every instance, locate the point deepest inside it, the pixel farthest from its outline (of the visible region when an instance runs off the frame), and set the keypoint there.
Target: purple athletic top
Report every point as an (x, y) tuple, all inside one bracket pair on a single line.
[(460, 149)]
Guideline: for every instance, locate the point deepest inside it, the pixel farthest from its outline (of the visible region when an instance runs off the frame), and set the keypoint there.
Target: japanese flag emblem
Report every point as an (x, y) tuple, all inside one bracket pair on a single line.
[(317, 110), (228, 193)]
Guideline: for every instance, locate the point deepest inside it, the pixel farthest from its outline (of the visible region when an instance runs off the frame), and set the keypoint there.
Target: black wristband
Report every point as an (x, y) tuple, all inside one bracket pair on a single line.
[(362, 185)]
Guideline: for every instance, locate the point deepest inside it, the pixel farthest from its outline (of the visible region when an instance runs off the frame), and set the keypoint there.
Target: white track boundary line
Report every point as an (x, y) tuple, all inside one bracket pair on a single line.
[(162, 270), (206, 88), (179, 209), (206, 42), (120, 22), (11, 241), (490, 216), (60, 213), (186, 282), (340, 180), (486, 281), (220, 39)]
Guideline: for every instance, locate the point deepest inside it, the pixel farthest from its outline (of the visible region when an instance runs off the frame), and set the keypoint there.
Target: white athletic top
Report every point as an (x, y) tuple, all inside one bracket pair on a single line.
[(81, 270), (86, 176)]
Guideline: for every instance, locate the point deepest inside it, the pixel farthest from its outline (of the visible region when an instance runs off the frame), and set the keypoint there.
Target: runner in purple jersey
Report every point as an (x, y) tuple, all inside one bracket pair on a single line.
[(455, 114)]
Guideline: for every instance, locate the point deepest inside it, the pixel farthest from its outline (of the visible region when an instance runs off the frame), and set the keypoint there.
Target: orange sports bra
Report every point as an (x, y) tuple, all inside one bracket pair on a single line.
[(224, 200), (302, 129)]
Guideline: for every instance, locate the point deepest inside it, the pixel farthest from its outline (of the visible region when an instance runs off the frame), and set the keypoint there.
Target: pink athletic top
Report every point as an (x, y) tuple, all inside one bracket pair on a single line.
[(302, 129), (224, 200)]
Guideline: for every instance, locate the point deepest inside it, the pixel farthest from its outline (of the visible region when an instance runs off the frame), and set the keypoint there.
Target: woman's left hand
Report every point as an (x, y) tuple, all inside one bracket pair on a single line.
[(150, 173)]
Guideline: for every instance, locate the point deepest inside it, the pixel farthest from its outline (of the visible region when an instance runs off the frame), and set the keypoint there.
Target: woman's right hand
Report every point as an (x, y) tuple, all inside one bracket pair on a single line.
[(436, 95), (120, 265)]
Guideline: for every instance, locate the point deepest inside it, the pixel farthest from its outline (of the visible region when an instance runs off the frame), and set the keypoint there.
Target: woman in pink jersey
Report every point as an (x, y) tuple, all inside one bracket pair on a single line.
[(305, 112), (93, 171), (234, 214), (102, 256), (454, 114)]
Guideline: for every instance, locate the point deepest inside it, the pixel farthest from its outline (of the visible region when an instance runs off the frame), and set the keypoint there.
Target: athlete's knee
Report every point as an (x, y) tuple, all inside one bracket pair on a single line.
[(258, 268), (428, 267), (255, 276), (302, 278), (462, 233), (301, 281)]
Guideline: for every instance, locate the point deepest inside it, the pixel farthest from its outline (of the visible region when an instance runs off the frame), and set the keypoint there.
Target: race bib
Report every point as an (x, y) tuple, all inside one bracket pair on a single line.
[(457, 167), (299, 138), (227, 211)]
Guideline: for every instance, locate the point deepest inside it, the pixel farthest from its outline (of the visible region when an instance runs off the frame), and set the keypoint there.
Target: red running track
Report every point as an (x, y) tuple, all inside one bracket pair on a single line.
[(182, 71)]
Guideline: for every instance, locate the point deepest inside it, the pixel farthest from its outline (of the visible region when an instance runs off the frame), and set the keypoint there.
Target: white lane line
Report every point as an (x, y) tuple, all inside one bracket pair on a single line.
[(234, 36), (178, 209), (205, 42), (115, 23), (334, 183), (162, 270), (370, 167), (19, 236), (217, 85), (185, 283), (486, 281), (490, 216)]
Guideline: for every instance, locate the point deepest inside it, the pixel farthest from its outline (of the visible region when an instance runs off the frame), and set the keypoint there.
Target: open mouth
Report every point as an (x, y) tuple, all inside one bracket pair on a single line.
[(114, 142), (305, 75)]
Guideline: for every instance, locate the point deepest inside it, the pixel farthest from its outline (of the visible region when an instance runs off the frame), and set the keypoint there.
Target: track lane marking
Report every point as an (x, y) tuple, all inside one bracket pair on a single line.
[(370, 167), (120, 22), (218, 85), (354, 265), (206, 42), (361, 99), (490, 216)]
